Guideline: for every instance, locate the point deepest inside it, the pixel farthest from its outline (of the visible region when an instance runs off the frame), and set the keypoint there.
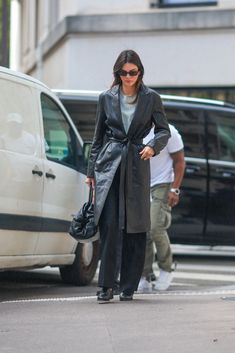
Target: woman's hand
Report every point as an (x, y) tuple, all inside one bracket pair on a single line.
[(90, 182), (146, 153)]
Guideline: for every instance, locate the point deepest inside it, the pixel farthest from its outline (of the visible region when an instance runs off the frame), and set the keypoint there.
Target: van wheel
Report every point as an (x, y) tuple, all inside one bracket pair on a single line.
[(83, 269)]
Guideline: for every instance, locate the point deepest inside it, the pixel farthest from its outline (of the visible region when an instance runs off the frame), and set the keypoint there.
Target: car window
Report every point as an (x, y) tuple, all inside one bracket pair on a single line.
[(190, 125), (60, 139), (83, 114), (19, 123), (221, 136)]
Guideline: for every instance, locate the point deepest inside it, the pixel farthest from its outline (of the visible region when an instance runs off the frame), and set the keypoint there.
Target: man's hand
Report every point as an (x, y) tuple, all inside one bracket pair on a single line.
[(173, 199)]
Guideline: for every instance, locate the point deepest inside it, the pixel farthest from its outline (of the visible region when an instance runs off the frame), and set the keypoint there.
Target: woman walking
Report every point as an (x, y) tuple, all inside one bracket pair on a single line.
[(119, 172)]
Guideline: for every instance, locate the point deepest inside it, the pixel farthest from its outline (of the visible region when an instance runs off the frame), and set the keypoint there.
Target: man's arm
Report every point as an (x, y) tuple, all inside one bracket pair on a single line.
[(179, 167)]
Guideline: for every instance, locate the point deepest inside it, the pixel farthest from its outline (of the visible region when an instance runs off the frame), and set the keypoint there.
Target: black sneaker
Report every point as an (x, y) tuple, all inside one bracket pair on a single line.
[(125, 297), (105, 295), (116, 288)]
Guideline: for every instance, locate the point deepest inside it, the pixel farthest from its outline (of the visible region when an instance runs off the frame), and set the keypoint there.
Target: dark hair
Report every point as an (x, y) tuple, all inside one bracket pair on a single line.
[(127, 56)]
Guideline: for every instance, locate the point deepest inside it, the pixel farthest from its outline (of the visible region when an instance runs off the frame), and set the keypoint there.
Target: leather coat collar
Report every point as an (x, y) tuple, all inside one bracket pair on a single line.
[(115, 89), (140, 108)]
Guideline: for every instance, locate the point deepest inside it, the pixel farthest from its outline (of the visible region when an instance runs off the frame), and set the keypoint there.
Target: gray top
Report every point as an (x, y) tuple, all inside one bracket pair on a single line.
[(127, 109)]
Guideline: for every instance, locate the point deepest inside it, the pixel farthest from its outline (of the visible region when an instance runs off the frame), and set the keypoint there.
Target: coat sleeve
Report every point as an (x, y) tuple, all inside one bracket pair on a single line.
[(98, 138), (161, 127)]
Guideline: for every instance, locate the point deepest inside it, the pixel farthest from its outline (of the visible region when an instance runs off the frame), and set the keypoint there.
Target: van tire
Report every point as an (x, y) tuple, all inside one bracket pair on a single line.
[(83, 269)]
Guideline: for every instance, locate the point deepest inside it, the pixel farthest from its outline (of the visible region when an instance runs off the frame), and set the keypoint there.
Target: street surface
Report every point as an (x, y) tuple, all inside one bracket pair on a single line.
[(41, 314), (192, 274)]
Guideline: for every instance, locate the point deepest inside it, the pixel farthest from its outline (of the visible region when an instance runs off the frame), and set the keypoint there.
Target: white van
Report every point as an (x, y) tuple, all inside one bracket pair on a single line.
[(42, 171)]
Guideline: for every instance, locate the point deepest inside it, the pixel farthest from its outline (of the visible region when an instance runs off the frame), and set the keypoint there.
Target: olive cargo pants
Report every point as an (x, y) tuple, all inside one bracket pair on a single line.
[(160, 222)]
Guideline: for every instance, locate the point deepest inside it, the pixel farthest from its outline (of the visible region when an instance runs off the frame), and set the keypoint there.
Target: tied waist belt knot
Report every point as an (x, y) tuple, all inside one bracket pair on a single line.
[(126, 170), (125, 141)]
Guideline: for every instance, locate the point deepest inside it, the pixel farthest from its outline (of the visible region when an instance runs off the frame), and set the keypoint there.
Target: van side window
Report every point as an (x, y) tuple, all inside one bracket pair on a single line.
[(221, 133), (83, 114), (19, 125), (190, 125), (60, 139)]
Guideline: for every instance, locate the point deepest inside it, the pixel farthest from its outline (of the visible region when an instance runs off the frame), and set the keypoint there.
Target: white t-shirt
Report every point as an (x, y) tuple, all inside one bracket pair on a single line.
[(162, 165)]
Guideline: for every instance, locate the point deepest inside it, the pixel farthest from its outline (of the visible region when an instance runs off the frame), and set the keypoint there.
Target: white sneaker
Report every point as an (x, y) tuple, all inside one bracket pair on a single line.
[(164, 281), (144, 286)]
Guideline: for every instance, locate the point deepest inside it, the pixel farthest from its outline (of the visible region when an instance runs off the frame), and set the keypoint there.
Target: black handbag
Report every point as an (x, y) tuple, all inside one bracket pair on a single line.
[(82, 227)]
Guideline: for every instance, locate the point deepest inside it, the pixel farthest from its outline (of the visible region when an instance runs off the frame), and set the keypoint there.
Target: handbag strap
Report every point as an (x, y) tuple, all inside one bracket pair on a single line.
[(90, 194)]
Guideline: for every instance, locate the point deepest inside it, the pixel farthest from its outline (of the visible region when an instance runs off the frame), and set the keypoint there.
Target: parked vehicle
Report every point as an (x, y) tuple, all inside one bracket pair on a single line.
[(205, 214), (42, 184)]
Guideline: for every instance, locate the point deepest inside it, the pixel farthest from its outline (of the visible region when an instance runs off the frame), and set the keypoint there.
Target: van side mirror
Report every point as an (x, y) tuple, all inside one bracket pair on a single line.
[(86, 149)]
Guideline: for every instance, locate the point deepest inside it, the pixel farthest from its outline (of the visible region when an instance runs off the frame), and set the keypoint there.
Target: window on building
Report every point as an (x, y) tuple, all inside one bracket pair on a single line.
[(171, 3)]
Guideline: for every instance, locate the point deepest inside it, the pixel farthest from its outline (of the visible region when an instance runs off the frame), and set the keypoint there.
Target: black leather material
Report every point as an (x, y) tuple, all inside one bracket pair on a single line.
[(83, 227), (112, 147)]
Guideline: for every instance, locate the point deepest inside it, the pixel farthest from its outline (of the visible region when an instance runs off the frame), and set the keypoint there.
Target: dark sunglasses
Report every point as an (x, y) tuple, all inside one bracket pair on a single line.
[(130, 73)]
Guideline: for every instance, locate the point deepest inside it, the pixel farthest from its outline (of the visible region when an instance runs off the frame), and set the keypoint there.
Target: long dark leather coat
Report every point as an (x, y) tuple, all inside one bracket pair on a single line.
[(112, 148)]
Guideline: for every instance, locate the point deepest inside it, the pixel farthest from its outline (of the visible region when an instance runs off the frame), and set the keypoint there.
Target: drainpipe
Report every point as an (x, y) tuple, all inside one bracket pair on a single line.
[(15, 39), (4, 43), (39, 61)]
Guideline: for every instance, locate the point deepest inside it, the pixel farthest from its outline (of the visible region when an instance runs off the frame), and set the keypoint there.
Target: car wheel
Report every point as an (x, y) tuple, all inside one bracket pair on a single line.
[(83, 269)]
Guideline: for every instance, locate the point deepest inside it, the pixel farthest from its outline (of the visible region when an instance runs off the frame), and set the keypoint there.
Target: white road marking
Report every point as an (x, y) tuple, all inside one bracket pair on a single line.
[(215, 268), (39, 300), (183, 284), (167, 293), (205, 276)]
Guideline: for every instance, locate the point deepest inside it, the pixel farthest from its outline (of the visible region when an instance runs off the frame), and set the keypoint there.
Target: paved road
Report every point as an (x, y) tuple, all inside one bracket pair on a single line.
[(41, 315), (192, 274)]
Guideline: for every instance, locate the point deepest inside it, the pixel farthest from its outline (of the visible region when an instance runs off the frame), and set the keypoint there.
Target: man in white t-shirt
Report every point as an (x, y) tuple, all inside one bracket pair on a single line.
[(167, 170)]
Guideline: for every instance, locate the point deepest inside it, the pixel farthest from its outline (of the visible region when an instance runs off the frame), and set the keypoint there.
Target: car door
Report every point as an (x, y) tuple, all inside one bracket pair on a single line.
[(64, 190), (21, 168), (220, 228), (189, 216)]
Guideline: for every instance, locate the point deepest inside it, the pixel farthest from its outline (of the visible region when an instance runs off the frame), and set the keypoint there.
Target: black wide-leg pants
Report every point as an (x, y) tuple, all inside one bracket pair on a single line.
[(133, 245)]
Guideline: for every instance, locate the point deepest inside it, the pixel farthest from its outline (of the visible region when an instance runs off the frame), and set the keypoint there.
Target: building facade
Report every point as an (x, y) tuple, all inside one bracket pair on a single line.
[(187, 46)]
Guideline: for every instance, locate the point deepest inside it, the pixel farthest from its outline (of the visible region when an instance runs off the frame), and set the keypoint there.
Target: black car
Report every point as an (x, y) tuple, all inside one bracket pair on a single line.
[(205, 214)]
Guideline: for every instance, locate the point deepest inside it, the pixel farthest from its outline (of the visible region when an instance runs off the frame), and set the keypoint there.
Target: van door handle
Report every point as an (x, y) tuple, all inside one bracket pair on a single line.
[(50, 175), (192, 169), (225, 173), (37, 172)]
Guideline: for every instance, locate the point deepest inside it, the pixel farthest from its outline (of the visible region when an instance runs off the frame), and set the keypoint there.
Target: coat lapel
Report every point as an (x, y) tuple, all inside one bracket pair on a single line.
[(117, 106), (140, 109)]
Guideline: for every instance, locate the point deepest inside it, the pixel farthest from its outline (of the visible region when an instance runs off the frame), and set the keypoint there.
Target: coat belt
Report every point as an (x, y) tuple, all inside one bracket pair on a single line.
[(125, 169)]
